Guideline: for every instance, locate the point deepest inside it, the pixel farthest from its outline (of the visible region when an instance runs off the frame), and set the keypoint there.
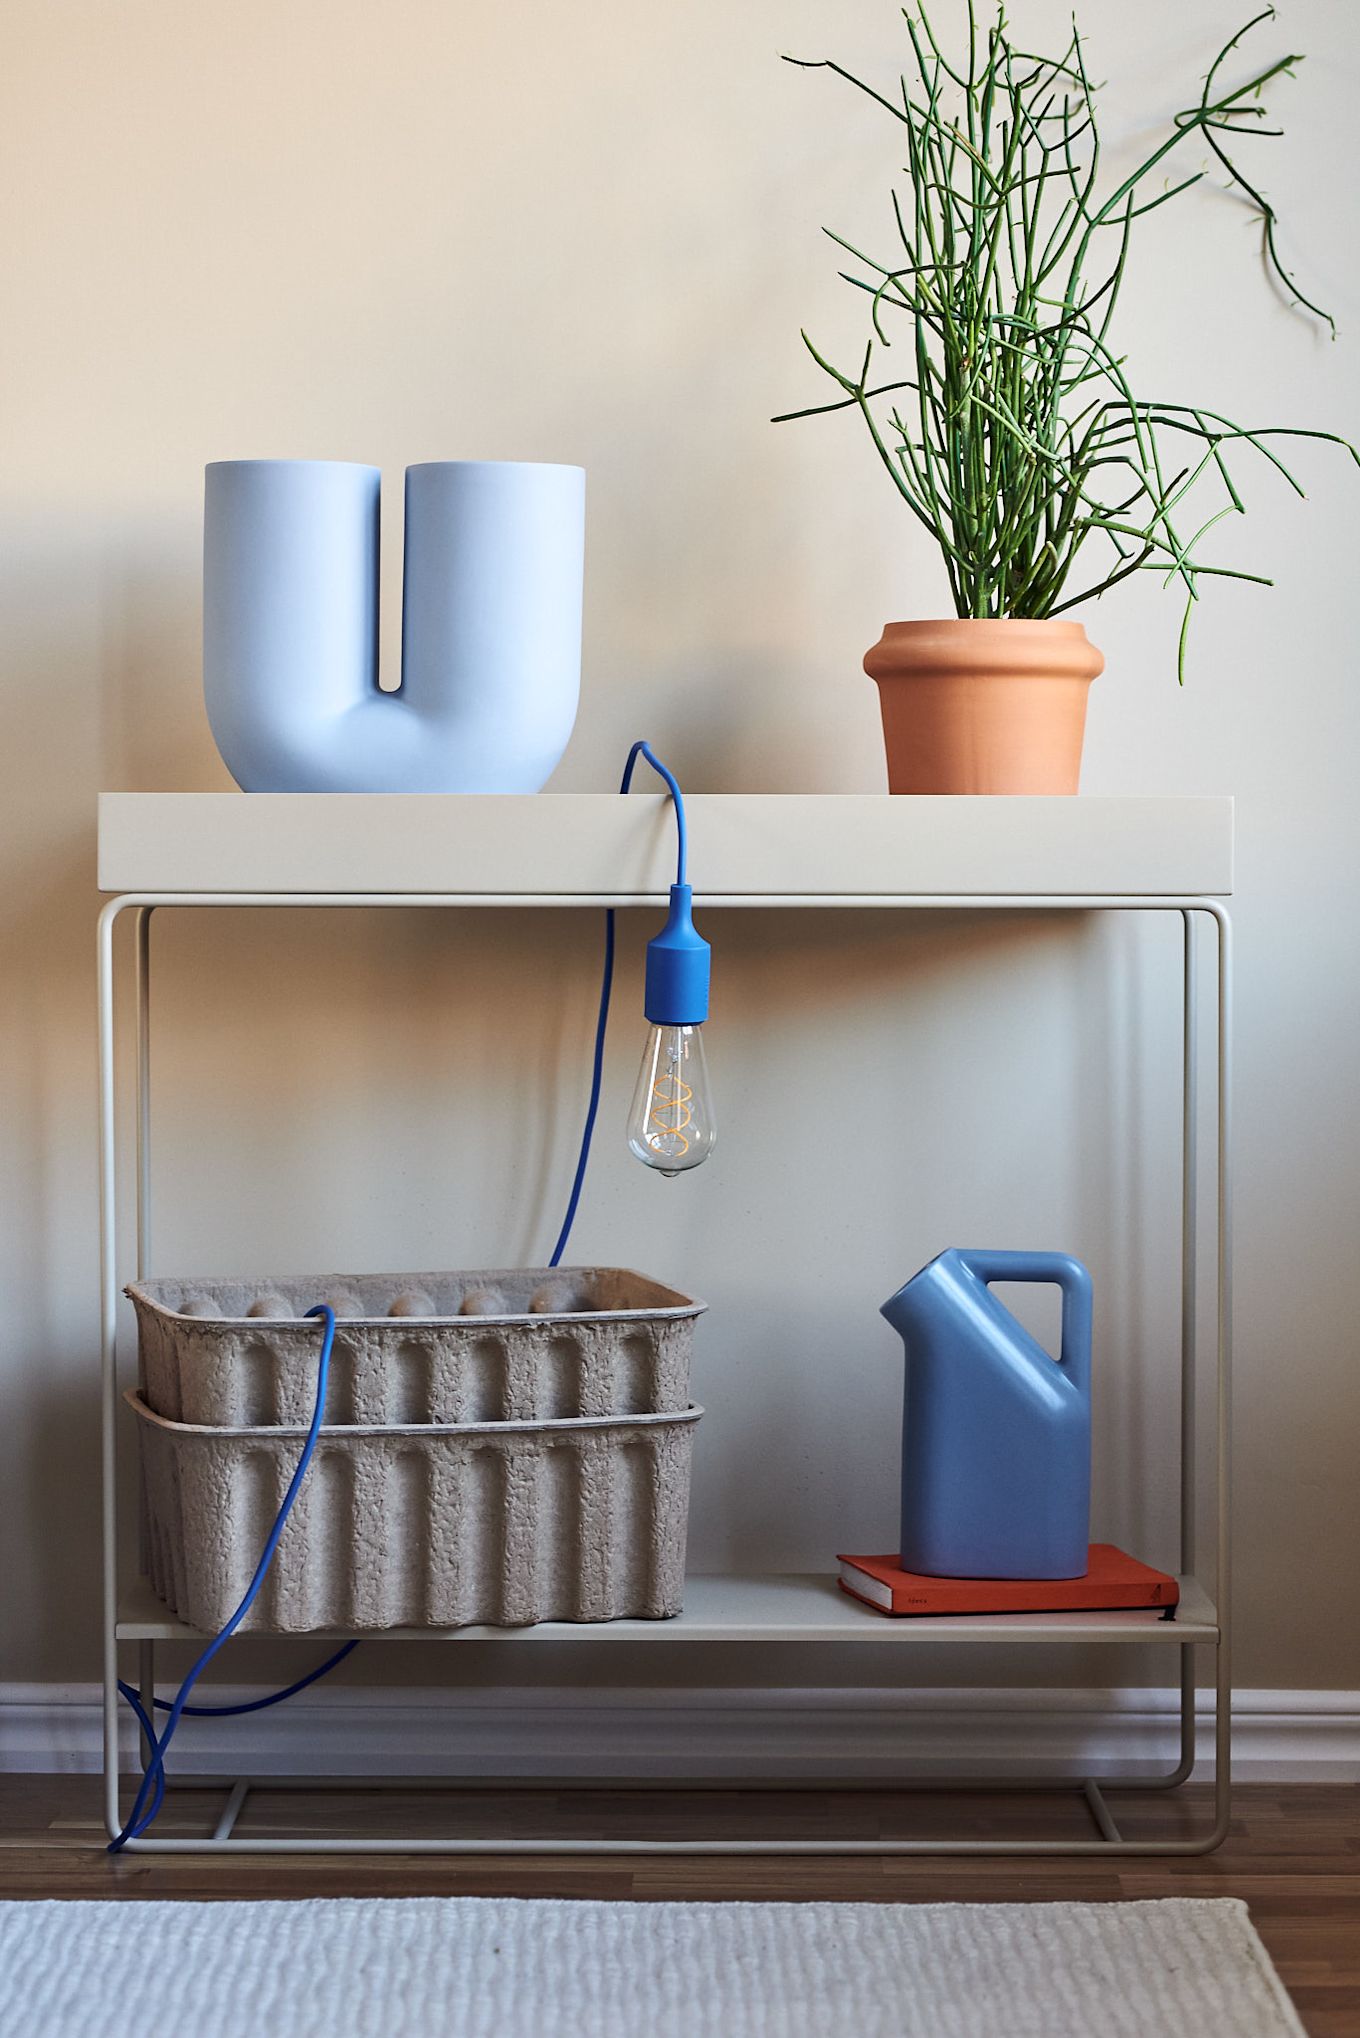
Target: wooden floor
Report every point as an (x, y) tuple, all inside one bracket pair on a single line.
[(1293, 1854)]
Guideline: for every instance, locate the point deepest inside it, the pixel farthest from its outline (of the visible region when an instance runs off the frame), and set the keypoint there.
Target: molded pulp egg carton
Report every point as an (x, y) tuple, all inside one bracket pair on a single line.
[(503, 1346), (430, 1525)]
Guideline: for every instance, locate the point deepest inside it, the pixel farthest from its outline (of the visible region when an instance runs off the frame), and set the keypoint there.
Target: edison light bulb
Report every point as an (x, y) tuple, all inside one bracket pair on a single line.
[(670, 1126)]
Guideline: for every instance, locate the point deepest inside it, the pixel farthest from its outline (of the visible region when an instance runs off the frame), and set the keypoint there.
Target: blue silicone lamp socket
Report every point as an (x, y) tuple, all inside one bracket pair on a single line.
[(677, 968)]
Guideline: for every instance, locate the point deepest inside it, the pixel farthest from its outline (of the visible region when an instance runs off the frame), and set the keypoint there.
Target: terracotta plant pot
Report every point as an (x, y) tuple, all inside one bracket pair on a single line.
[(973, 706)]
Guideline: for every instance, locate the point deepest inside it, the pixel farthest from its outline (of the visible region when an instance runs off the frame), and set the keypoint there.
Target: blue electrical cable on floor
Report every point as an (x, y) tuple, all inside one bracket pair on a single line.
[(153, 1775)]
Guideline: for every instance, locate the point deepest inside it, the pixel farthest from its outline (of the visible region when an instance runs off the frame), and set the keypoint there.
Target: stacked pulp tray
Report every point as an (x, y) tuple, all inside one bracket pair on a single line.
[(499, 1448)]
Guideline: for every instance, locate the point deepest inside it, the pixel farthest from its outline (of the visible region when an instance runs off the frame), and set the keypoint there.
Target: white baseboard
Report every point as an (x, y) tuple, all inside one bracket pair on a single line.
[(801, 1735)]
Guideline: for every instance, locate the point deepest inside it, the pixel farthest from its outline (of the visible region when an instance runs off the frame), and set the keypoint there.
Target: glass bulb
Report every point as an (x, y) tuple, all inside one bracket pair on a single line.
[(670, 1125)]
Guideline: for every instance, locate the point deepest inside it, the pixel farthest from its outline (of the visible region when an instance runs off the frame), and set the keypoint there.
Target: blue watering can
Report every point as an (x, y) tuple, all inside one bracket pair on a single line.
[(996, 1435)]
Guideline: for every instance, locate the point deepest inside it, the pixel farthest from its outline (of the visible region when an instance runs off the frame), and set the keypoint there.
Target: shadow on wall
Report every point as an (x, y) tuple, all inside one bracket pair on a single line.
[(99, 653), (154, 726), (735, 721)]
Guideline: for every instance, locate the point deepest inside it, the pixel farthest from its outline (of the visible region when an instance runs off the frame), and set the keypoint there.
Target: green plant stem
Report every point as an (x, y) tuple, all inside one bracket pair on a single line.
[(1015, 437)]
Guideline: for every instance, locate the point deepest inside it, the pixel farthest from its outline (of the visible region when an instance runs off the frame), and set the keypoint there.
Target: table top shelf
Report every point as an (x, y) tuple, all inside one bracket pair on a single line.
[(778, 1607), (590, 848)]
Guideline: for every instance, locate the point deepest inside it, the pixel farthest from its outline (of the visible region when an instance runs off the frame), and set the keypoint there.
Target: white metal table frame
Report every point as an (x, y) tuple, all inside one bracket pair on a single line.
[(1107, 1838)]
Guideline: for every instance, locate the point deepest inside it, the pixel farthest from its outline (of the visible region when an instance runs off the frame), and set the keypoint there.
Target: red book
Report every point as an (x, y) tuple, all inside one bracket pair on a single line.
[(1113, 1580)]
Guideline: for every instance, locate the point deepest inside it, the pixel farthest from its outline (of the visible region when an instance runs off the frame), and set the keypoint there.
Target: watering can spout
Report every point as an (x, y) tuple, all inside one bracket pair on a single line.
[(898, 1309), (996, 1451)]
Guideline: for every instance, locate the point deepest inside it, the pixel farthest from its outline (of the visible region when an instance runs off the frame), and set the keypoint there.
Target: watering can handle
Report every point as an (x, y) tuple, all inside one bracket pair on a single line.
[(1069, 1275)]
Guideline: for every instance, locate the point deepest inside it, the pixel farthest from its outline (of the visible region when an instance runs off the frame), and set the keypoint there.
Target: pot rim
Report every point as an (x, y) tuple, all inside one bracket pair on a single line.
[(1069, 625), (999, 650)]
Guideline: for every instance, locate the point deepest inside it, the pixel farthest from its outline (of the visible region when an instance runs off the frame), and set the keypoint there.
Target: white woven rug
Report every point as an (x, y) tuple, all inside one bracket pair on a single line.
[(500, 1968)]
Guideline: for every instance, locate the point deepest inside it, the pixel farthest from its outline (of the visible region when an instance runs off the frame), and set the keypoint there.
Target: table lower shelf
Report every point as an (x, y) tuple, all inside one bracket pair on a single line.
[(781, 1607)]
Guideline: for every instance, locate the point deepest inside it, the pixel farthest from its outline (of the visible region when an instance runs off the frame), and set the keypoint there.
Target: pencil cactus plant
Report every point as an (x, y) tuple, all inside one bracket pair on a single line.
[(991, 381)]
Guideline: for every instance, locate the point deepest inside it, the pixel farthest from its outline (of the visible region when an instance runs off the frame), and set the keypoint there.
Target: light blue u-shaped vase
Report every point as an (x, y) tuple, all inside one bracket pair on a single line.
[(491, 625)]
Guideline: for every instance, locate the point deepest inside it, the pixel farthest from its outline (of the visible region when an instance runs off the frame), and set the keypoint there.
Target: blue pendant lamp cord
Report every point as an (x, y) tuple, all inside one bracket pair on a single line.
[(153, 1776), (639, 749)]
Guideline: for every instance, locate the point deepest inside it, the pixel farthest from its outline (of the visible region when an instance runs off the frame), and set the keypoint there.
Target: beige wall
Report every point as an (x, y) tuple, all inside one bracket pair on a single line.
[(589, 232)]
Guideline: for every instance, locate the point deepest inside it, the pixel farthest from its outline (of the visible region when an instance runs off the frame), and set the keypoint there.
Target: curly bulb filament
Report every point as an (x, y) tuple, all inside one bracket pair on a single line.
[(671, 1126)]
